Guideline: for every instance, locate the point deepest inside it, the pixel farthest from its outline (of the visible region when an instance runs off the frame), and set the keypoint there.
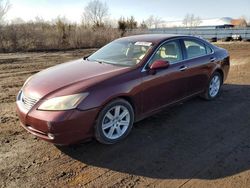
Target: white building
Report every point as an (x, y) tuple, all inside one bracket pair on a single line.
[(217, 22)]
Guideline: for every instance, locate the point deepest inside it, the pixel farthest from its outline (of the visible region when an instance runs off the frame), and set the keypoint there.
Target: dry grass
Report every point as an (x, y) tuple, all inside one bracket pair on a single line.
[(48, 37)]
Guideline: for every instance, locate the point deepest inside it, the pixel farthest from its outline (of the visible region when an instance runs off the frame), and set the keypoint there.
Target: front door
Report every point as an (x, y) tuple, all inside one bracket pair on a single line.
[(166, 85)]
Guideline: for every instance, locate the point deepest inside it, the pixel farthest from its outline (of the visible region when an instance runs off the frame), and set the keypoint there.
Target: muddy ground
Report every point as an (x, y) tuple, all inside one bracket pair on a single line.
[(195, 144)]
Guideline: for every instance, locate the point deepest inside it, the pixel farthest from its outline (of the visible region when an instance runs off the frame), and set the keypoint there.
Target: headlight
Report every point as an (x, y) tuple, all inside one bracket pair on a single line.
[(63, 103)]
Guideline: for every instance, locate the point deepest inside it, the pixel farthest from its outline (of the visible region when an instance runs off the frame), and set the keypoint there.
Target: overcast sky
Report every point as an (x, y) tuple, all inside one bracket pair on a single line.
[(169, 10)]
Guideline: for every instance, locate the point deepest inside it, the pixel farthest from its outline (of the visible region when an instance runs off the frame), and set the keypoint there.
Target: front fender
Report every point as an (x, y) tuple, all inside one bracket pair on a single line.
[(128, 86)]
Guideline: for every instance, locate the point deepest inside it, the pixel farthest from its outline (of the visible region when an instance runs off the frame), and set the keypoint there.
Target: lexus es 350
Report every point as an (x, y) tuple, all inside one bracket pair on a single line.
[(131, 78)]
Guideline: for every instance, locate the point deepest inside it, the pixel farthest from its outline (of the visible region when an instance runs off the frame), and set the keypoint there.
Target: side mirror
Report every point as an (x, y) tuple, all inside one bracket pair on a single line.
[(159, 64)]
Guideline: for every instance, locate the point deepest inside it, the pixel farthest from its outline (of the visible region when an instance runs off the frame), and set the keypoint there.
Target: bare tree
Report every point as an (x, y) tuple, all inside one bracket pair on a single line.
[(4, 8), (191, 20), (157, 22), (39, 19), (150, 21), (143, 25), (153, 21), (17, 21), (95, 13), (185, 21), (197, 21)]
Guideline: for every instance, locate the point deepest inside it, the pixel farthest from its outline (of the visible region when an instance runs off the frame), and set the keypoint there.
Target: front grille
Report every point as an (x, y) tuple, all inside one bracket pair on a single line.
[(28, 102)]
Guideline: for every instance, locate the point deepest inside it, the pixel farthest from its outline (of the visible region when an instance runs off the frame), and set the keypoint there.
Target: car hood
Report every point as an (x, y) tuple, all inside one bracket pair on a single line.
[(69, 78)]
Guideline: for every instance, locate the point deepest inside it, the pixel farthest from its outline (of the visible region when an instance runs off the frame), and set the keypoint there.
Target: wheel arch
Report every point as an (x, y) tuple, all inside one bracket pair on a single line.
[(128, 99), (124, 97), (220, 71)]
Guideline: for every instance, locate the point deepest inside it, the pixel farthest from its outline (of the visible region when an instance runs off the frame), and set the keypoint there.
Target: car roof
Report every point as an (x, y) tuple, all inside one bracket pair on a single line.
[(154, 38)]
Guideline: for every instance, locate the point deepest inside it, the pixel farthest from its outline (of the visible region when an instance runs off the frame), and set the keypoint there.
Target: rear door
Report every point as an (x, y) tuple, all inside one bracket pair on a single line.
[(199, 62)]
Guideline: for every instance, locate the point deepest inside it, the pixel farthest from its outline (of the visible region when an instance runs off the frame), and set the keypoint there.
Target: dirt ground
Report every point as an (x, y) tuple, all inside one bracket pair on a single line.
[(195, 144)]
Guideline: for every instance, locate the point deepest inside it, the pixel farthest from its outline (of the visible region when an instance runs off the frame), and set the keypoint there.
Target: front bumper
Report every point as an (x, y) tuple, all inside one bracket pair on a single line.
[(59, 127)]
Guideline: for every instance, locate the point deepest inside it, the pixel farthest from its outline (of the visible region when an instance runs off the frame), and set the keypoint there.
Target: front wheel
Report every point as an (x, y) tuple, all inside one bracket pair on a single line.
[(114, 122), (214, 86)]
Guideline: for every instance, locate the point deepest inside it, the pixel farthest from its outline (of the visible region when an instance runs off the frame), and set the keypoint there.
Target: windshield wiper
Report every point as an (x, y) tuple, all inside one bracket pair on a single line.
[(99, 61), (86, 58)]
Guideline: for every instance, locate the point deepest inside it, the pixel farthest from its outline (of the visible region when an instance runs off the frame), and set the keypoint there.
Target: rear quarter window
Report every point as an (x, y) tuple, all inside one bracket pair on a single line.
[(209, 50)]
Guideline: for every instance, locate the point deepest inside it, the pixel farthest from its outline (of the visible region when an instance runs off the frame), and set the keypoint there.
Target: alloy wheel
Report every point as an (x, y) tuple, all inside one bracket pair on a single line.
[(115, 122), (214, 86)]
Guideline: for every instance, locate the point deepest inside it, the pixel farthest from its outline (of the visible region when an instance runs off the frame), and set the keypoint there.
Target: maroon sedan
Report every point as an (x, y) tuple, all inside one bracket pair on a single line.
[(123, 82)]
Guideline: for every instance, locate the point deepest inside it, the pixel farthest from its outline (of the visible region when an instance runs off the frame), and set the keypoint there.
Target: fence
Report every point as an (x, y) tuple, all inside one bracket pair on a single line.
[(219, 33)]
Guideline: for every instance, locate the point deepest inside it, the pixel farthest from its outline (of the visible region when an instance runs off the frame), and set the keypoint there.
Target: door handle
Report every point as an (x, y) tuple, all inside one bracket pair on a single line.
[(183, 68), (212, 59)]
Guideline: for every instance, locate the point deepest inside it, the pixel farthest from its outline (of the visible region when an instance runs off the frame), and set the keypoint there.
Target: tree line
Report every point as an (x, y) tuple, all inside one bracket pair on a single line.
[(95, 30)]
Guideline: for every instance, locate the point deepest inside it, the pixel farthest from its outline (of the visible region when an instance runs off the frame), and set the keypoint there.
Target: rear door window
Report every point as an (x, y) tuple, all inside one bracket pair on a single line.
[(194, 48)]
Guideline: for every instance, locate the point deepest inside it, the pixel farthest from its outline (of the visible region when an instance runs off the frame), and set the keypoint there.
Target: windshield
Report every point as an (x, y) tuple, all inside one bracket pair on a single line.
[(124, 53)]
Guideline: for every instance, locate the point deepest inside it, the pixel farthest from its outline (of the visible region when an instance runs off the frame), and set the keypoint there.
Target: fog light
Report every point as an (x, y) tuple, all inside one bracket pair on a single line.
[(51, 136)]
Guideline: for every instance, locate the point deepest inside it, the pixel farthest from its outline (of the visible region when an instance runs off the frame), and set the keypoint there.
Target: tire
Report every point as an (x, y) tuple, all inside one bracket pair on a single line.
[(227, 39), (214, 39), (213, 88), (246, 40), (110, 126)]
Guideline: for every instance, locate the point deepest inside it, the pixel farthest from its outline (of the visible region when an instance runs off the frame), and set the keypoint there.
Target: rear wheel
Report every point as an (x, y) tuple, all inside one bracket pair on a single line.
[(214, 86), (114, 122)]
